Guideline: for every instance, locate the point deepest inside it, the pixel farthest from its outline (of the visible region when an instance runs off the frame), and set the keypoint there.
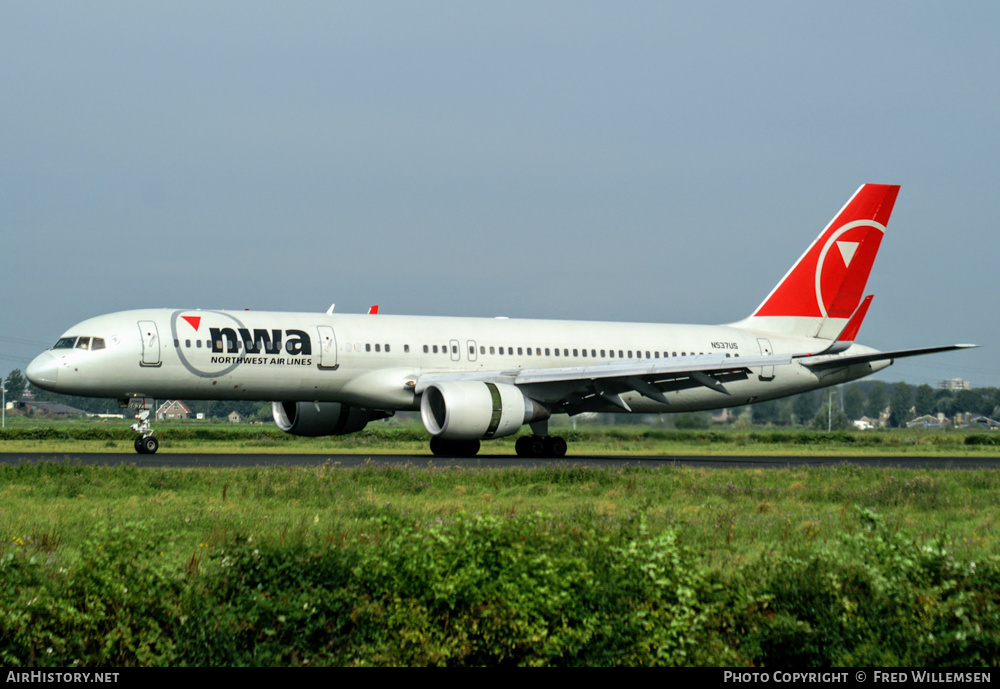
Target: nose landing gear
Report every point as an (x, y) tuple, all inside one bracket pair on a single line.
[(145, 444)]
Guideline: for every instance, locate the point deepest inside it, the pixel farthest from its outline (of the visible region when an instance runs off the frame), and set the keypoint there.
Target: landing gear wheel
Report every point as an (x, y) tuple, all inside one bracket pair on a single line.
[(538, 446), (442, 447), (555, 446), (147, 446)]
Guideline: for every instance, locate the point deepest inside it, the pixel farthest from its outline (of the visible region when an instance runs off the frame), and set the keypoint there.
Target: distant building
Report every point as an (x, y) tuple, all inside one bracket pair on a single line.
[(234, 417), (929, 421), (985, 422), (173, 409), (954, 384)]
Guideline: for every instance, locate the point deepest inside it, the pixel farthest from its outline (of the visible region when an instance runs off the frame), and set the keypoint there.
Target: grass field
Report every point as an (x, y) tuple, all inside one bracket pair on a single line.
[(748, 560)]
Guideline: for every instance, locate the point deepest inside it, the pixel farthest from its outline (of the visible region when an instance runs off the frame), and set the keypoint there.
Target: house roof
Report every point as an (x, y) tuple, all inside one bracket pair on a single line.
[(173, 404)]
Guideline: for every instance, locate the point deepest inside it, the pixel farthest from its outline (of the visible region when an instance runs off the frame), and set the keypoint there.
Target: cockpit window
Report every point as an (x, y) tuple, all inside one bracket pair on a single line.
[(90, 343)]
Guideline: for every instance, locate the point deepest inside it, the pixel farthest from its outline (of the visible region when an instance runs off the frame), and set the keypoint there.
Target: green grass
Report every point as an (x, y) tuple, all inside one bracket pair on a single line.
[(445, 565), (729, 515)]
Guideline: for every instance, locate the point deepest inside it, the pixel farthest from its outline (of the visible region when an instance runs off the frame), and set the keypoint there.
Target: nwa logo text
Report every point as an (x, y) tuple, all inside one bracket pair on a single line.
[(230, 340)]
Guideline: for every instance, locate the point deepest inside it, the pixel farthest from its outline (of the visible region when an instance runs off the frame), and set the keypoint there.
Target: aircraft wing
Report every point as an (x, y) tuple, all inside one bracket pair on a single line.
[(586, 388), (839, 361)]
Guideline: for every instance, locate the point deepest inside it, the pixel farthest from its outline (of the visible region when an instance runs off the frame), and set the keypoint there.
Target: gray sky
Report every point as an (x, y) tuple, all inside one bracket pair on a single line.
[(657, 161)]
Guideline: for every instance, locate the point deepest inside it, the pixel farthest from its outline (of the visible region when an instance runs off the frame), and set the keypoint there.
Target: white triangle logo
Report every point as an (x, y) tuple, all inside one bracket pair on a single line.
[(847, 250)]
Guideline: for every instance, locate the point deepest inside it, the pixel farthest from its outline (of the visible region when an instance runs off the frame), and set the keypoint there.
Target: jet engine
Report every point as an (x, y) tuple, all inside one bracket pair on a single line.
[(473, 410), (322, 418)]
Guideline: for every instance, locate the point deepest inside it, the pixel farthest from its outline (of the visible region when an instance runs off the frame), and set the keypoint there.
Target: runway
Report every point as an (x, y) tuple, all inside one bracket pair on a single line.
[(206, 460)]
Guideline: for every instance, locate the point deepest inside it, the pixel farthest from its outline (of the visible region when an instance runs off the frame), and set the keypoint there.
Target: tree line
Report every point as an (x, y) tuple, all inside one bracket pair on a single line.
[(903, 401)]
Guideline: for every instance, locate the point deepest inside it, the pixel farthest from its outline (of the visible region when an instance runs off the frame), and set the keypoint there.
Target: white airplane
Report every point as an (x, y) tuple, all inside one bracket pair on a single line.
[(474, 379)]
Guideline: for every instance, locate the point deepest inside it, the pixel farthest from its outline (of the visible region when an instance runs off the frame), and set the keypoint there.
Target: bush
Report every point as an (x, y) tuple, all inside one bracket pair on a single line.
[(877, 599), (480, 591)]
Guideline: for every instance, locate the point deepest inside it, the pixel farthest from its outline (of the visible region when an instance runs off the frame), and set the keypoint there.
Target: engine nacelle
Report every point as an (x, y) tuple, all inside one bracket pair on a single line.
[(322, 418), (473, 410)]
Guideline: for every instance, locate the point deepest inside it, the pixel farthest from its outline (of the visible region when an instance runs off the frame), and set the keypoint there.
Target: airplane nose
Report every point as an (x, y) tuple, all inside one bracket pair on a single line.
[(43, 371)]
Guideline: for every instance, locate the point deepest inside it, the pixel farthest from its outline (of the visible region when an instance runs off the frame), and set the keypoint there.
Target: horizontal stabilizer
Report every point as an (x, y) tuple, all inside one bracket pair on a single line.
[(840, 361)]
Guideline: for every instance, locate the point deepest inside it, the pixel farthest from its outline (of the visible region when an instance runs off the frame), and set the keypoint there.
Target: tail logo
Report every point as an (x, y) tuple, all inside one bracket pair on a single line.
[(847, 250), (838, 288)]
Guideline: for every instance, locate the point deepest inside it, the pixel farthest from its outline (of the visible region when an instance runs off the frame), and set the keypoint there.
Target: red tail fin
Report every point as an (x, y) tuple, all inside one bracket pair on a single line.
[(829, 279)]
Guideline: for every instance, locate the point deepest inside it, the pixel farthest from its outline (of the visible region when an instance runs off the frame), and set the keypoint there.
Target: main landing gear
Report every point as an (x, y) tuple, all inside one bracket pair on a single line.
[(537, 446), (442, 447), (553, 446), (541, 444)]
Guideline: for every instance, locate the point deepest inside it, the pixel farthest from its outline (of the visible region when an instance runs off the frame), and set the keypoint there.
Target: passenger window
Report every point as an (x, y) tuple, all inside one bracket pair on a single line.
[(368, 347), (520, 351), (492, 349), (593, 352), (378, 348), (199, 344), (585, 353), (435, 349), (576, 352), (425, 349), (387, 348), (187, 343), (603, 355)]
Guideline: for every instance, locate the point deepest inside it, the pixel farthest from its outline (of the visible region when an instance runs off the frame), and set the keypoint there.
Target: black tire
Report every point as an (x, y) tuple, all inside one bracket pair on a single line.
[(442, 447), (532, 446), (139, 447), (555, 446), (150, 445)]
